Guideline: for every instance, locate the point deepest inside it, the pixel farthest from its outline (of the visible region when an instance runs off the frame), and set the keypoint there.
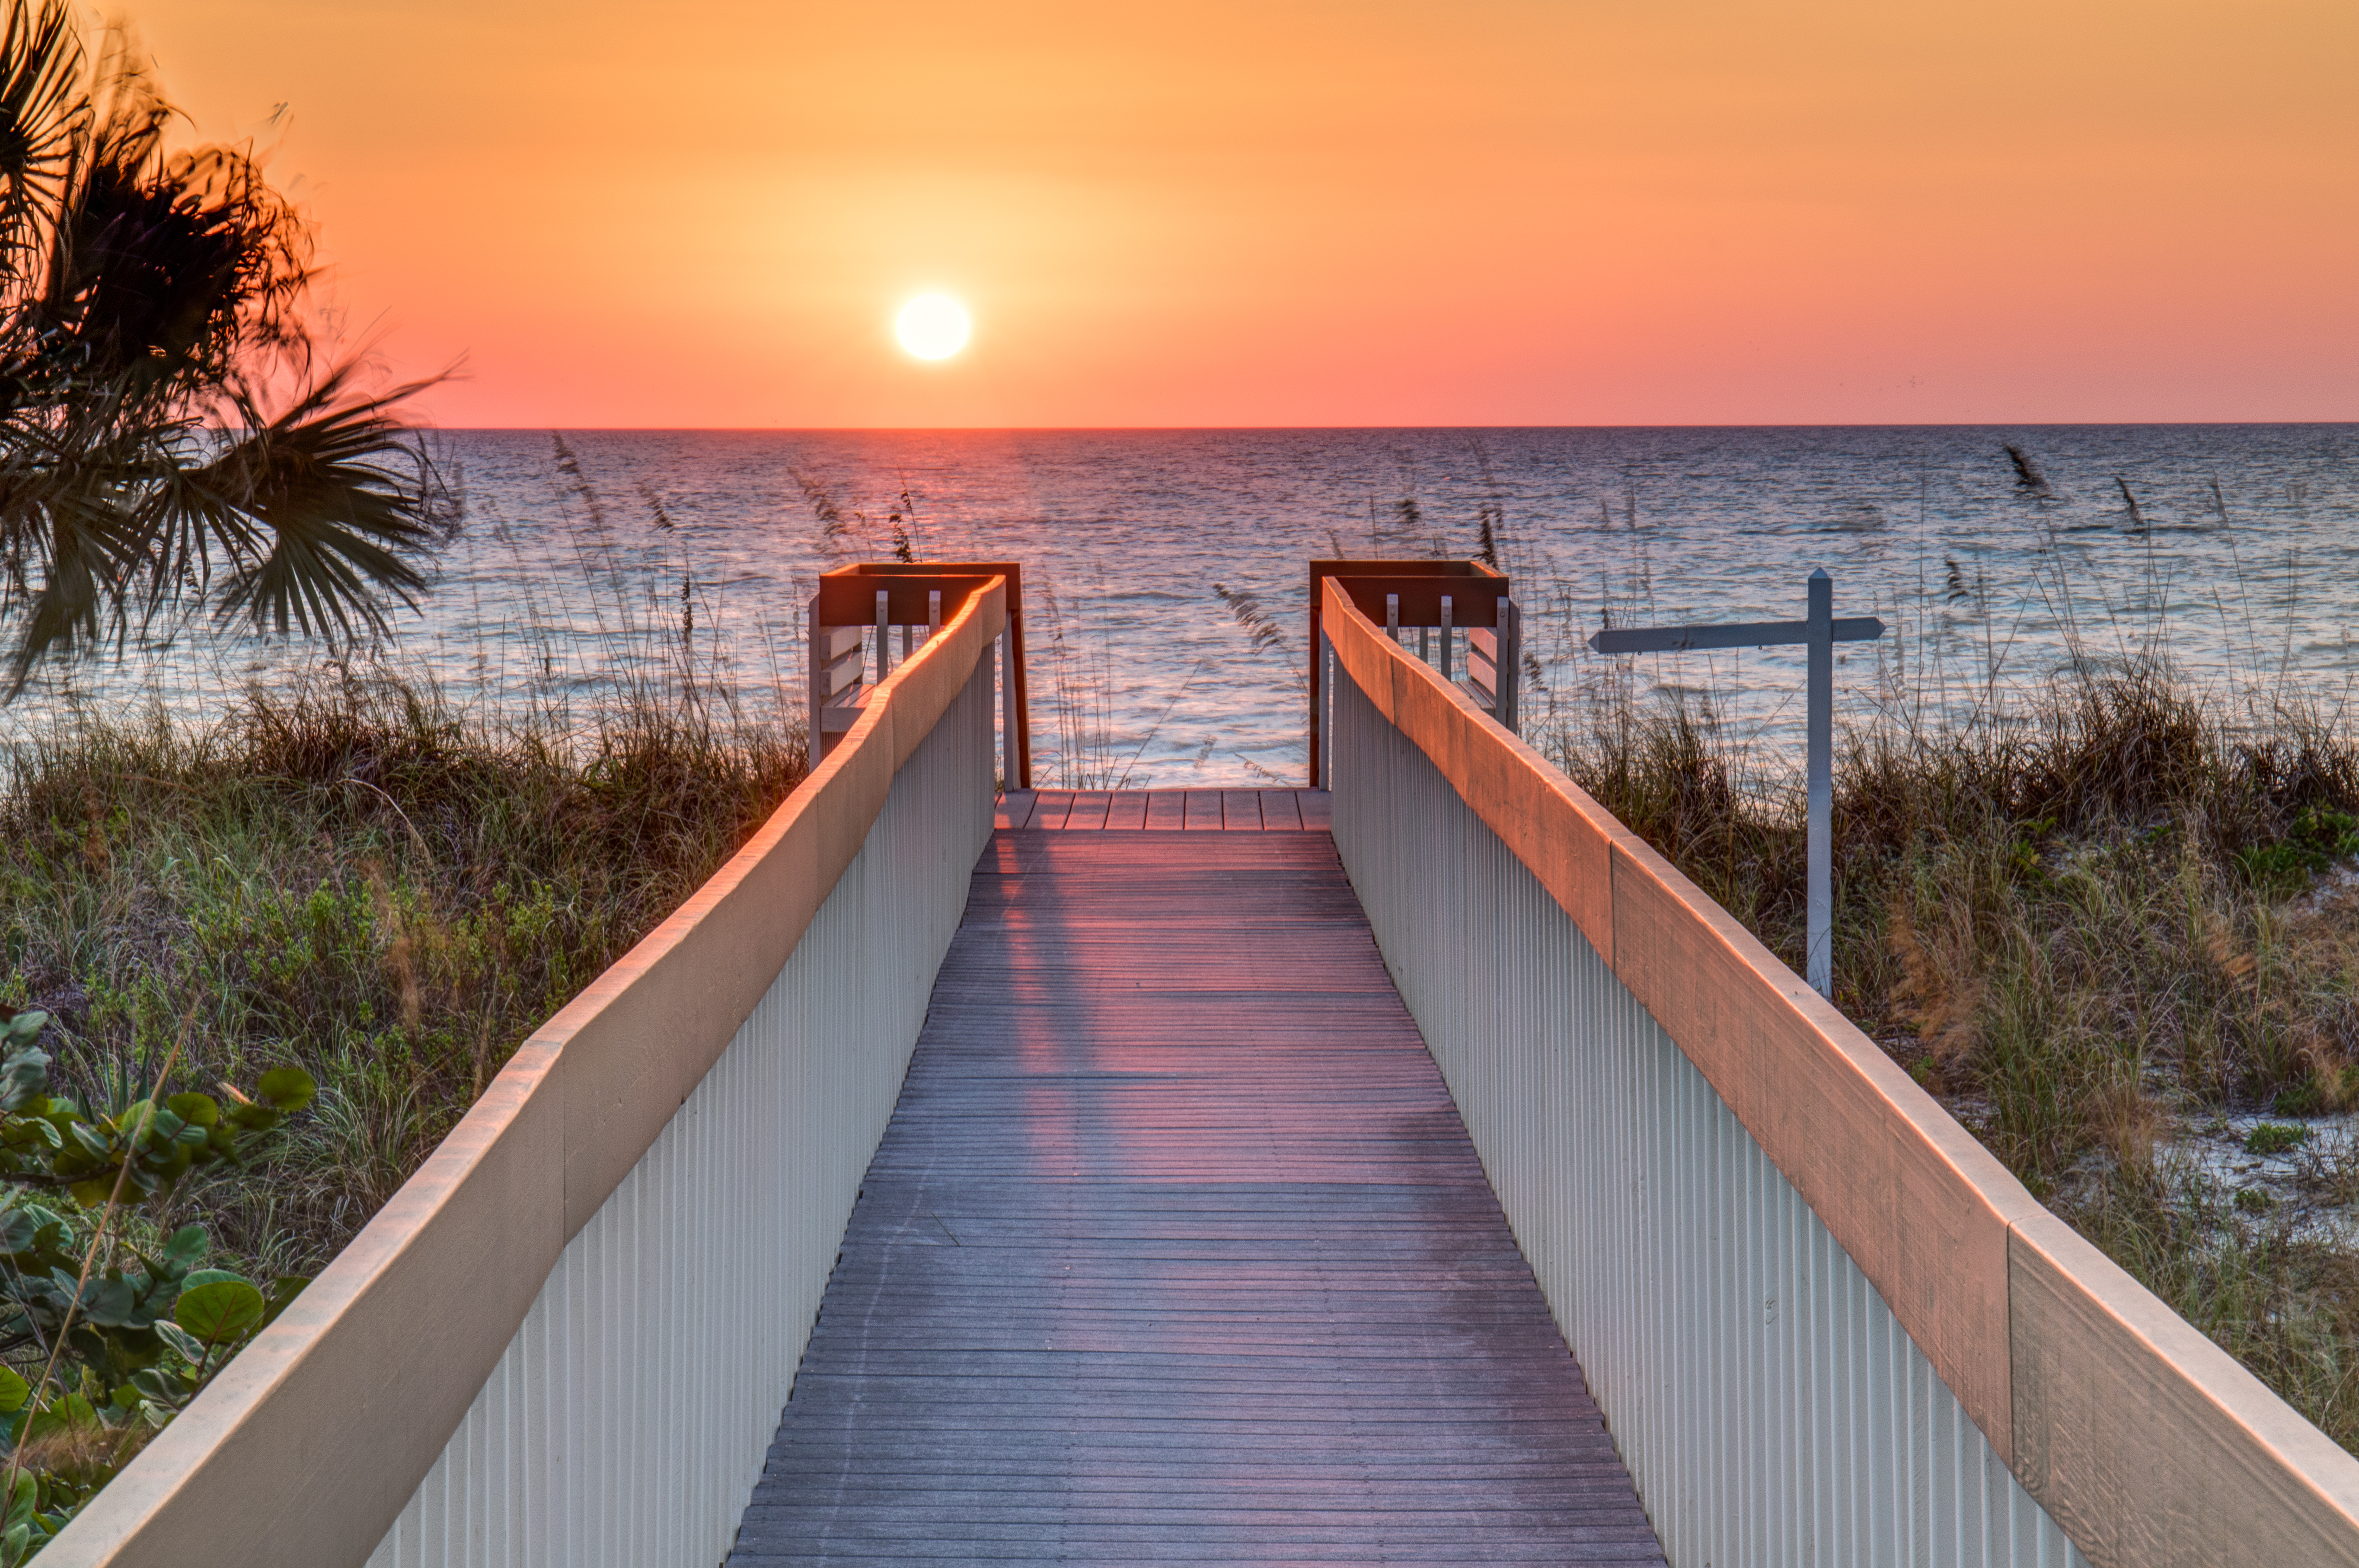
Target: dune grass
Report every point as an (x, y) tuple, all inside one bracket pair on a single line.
[(2102, 931), (351, 878)]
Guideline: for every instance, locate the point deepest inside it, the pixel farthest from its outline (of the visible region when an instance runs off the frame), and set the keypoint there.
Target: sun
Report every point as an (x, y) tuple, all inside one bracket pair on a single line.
[(932, 326)]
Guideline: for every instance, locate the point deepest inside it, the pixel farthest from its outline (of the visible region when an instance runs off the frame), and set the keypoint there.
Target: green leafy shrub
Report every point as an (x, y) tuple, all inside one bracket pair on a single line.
[(2276, 1138), (108, 1330), (2316, 840)]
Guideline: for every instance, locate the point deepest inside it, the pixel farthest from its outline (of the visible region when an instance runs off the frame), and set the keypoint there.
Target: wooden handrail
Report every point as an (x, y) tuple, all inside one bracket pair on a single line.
[(1418, 585), (308, 1445), (2146, 1442), (847, 598)]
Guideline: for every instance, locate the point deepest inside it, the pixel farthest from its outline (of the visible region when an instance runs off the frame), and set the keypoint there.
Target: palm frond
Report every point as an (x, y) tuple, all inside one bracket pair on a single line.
[(41, 113), (162, 271), (92, 547), (346, 531), (144, 293)]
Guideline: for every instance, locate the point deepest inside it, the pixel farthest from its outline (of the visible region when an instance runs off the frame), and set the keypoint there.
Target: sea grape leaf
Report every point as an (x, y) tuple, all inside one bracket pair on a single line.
[(256, 1117), (68, 1414), (17, 1229), (187, 1345), (186, 1248), (287, 1088), (108, 1302), (219, 1310), (25, 1074), (197, 1110)]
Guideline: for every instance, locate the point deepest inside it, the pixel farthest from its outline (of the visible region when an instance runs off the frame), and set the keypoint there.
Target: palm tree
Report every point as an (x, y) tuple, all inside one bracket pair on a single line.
[(171, 444)]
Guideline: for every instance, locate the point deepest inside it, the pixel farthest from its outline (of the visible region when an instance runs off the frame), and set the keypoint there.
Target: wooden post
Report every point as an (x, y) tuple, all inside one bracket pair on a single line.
[(1820, 721), (815, 672), (1507, 677), (1008, 771)]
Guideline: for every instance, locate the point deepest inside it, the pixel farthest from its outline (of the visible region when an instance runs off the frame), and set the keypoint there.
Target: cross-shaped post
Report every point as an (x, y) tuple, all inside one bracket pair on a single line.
[(1820, 632)]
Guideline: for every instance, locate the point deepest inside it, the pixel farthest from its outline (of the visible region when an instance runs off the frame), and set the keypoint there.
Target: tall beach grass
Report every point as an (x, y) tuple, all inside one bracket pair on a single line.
[(350, 877), (2112, 925)]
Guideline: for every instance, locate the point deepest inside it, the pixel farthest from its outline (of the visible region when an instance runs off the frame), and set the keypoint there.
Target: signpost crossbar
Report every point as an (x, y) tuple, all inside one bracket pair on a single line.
[(1736, 634), (1819, 632)]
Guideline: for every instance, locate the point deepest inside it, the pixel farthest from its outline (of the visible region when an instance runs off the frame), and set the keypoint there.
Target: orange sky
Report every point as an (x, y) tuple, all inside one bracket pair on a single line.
[(1281, 212)]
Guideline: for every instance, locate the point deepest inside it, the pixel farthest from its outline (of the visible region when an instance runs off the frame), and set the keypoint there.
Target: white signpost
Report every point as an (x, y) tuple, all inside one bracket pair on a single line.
[(1820, 631)]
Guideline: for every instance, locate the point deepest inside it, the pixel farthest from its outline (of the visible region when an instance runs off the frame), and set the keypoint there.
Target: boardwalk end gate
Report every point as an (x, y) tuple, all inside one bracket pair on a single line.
[(1825, 1326)]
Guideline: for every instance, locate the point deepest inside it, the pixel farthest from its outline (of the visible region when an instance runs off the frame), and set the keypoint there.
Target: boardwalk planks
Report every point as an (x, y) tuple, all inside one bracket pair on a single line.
[(1088, 808), (1280, 809), (1177, 1250), (1288, 810)]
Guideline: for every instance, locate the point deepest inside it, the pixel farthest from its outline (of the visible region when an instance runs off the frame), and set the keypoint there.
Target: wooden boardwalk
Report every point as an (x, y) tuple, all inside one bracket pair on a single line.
[(1176, 1249), (1163, 810)]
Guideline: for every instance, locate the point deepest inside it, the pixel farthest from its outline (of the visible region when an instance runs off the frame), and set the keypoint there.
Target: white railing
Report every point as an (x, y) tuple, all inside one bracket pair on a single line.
[(566, 1342), (1824, 1325)]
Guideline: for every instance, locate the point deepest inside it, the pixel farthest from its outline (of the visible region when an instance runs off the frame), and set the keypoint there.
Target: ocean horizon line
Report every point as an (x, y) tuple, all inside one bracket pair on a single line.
[(1373, 430)]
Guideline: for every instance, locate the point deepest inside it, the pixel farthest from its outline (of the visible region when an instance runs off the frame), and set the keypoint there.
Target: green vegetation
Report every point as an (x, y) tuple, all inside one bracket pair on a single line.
[(2096, 931), (177, 437), (2274, 1137), (353, 880), (347, 886), (121, 1329)]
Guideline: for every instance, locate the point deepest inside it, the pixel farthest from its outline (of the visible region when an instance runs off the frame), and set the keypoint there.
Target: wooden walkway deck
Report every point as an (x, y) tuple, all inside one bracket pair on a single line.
[(1155, 810), (1176, 1249)]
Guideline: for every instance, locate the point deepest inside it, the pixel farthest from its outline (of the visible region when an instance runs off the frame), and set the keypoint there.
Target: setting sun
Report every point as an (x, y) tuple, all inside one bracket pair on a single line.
[(932, 326)]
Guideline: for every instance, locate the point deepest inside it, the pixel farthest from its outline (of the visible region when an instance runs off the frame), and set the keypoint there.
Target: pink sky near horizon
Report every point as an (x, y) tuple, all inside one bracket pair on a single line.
[(1542, 212)]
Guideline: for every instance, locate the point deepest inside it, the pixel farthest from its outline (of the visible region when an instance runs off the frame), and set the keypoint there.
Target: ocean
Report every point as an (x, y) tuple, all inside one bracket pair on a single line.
[(588, 559)]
